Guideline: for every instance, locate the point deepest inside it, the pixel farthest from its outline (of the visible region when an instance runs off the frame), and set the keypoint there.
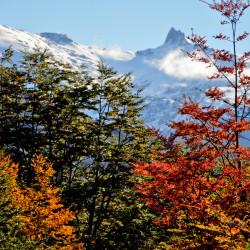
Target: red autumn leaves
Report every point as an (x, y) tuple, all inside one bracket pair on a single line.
[(201, 188)]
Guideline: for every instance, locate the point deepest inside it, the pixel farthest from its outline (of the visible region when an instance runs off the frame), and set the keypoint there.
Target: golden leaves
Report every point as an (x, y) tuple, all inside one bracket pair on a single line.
[(43, 218)]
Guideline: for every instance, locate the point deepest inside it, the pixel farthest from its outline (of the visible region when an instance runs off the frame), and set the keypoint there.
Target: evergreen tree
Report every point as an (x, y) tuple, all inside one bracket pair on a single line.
[(42, 112), (92, 155), (116, 136)]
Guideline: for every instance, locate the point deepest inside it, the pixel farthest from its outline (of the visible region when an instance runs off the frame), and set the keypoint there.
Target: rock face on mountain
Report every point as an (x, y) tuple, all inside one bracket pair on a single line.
[(57, 38), (176, 37), (165, 73)]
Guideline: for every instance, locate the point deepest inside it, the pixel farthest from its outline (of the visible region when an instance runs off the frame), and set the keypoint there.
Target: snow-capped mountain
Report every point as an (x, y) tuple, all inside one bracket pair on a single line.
[(165, 73)]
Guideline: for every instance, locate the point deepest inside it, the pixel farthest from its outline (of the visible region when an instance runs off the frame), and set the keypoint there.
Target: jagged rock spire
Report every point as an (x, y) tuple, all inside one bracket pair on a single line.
[(176, 37)]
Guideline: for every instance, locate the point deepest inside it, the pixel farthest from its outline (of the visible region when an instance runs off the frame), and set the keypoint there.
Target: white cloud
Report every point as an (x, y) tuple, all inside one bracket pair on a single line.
[(247, 71), (115, 54), (177, 64)]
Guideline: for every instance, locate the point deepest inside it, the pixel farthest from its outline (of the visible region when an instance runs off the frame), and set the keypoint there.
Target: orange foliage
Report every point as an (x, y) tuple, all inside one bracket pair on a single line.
[(43, 218)]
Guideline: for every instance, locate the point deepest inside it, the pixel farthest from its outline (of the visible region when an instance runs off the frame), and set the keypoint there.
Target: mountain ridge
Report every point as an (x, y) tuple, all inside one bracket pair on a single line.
[(57, 37), (166, 73)]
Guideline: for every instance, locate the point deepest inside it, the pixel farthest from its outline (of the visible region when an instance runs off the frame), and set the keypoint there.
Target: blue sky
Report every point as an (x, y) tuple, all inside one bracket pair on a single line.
[(127, 24)]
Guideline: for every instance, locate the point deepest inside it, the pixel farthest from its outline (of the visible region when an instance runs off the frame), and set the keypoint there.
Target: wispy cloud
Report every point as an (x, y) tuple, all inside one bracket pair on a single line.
[(115, 53), (177, 64)]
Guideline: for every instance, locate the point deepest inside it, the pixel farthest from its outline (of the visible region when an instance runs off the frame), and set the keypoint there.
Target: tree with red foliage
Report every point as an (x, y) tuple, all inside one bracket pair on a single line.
[(201, 190)]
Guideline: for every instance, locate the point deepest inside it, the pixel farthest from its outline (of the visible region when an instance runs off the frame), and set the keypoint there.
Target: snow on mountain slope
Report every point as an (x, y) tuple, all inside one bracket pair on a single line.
[(61, 46), (165, 73)]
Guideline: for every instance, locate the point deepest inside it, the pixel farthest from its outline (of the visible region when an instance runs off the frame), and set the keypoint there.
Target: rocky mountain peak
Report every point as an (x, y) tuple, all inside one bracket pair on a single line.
[(176, 37)]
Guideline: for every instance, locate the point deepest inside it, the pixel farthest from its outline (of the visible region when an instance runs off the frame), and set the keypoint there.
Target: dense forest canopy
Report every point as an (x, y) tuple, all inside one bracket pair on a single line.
[(80, 170)]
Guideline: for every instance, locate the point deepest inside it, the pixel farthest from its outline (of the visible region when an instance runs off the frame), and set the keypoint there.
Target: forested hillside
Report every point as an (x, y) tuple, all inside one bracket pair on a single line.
[(81, 170)]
